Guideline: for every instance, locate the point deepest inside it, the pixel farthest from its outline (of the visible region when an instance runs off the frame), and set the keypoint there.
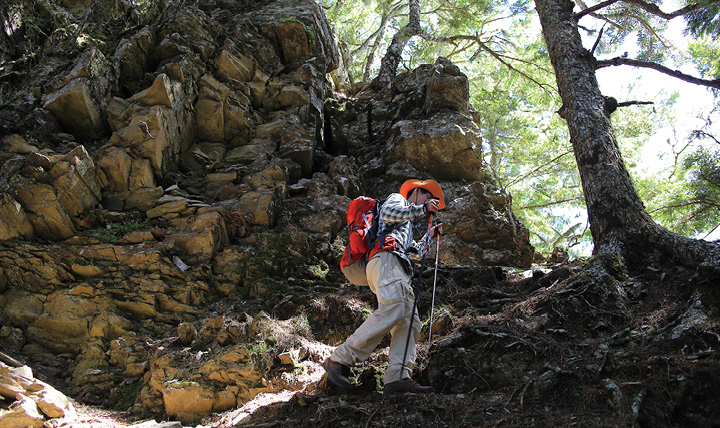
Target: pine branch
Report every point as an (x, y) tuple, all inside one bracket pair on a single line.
[(551, 203), (482, 46), (594, 9), (634, 103), (648, 7), (655, 9), (688, 203), (661, 68), (538, 168)]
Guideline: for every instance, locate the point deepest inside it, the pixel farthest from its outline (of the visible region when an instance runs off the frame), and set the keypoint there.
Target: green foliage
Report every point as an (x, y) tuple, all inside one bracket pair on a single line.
[(706, 56), (261, 353), (704, 21), (308, 32), (112, 232), (690, 206), (512, 86), (126, 395), (301, 325), (366, 28)]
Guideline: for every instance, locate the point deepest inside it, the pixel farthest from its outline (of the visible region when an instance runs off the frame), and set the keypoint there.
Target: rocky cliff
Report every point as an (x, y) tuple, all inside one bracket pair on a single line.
[(173, 185)]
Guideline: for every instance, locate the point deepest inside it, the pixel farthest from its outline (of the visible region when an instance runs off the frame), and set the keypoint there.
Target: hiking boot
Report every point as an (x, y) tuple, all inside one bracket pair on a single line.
[(337, 373), (406, 385)]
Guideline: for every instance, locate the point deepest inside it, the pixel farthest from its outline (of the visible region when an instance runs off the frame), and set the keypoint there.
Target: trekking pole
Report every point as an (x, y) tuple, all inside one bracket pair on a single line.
[(417, 293), (432, 305)]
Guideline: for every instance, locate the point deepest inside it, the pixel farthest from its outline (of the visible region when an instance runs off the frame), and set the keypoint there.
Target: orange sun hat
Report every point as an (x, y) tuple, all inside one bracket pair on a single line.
[(429, 185)]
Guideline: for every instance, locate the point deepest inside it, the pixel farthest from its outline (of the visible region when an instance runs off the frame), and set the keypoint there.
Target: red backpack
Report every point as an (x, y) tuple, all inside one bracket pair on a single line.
[(362, 218)]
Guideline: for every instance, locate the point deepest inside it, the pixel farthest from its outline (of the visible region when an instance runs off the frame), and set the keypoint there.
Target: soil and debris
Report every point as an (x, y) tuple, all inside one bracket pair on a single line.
[(552, 346)]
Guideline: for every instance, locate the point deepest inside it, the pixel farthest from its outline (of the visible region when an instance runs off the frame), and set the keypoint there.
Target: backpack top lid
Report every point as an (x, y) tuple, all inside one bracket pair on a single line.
[(430, 185), (359, 205)]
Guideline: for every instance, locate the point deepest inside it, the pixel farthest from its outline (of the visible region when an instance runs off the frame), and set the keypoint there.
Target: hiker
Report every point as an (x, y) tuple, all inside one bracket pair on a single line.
[(389, 275)]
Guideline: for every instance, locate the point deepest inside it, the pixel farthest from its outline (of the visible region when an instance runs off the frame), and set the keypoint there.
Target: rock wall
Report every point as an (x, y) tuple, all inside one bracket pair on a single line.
[(428, 130), (171, 169)]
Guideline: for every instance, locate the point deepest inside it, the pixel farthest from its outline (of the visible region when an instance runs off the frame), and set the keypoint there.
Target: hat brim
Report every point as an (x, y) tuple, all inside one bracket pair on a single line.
[(430, 185)]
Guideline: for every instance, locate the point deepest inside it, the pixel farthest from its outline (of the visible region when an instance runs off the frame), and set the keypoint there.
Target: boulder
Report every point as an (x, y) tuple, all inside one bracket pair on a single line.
[(162, 92), (299, 30), (109, 325), (21, 308), (141, 175), (154, 135), (32, 399), (168, 207), (298, 145), (190, 401), (206, 235), (221, 113), (52, 403), (135, 56), (259, 208), (346, 175), (78, 97), (234, 367), (187, 333), (115, 165), (446, 146), (187, 30), (245, 155), (75, 181), (143, 198), (482, 229), (273, 177), (22, 414), (234, 66), (16, 144), (64, 324), (76, 109), (221, 185), (43, 209), (447, 88), (13, 221)]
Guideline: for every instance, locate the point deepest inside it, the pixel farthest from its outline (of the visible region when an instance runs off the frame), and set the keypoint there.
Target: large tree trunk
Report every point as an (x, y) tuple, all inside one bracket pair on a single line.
[(619, 222)]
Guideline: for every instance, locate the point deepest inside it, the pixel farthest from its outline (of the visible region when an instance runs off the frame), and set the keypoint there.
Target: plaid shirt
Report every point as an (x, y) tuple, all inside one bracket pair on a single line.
[(396, 220)]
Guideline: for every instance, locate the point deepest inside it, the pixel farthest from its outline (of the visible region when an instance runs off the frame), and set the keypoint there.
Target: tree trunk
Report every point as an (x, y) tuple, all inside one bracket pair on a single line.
[(619, 222), (393, 56)]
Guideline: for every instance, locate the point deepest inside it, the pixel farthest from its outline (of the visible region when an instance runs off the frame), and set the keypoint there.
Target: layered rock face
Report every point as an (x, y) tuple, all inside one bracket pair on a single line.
[(204, 160), (428, 131)]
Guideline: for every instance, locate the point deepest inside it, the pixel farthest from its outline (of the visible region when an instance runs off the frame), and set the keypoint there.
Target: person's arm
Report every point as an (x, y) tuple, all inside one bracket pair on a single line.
[(397, 209)]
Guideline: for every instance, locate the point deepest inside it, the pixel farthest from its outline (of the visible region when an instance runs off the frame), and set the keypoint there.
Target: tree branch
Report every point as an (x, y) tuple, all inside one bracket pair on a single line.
[(551, 203), (661, 68), (377, 37), (693, 202), (393, 55), (634, 103), (539, 167), (655, 10), (594, 9), (475, 39), (648, 7)]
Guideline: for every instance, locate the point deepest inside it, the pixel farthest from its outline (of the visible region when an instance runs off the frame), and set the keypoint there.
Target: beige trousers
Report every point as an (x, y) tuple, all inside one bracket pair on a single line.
[(393, 288)]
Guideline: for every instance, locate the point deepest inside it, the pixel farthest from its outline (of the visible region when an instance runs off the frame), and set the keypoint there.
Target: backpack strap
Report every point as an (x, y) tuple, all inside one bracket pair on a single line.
[(370, 239), (349, 235)]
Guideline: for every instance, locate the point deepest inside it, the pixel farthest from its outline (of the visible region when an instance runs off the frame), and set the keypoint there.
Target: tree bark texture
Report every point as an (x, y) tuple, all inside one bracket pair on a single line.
[(393, 56), (619, 222)]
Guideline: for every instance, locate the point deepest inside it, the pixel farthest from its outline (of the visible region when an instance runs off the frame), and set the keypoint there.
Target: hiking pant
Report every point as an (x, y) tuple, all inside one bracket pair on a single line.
[(393, 287)]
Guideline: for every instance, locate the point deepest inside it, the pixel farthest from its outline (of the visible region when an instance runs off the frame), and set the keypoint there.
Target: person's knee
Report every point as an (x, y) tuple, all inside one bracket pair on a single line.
[(392, 314)]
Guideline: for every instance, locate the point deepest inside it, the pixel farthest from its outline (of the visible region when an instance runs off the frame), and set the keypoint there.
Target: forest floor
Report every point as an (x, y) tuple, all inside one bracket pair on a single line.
[(657, 364)]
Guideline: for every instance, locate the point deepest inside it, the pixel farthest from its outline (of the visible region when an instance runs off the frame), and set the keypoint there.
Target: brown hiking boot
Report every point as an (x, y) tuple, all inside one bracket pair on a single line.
[(406, 385), (337, 373)]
